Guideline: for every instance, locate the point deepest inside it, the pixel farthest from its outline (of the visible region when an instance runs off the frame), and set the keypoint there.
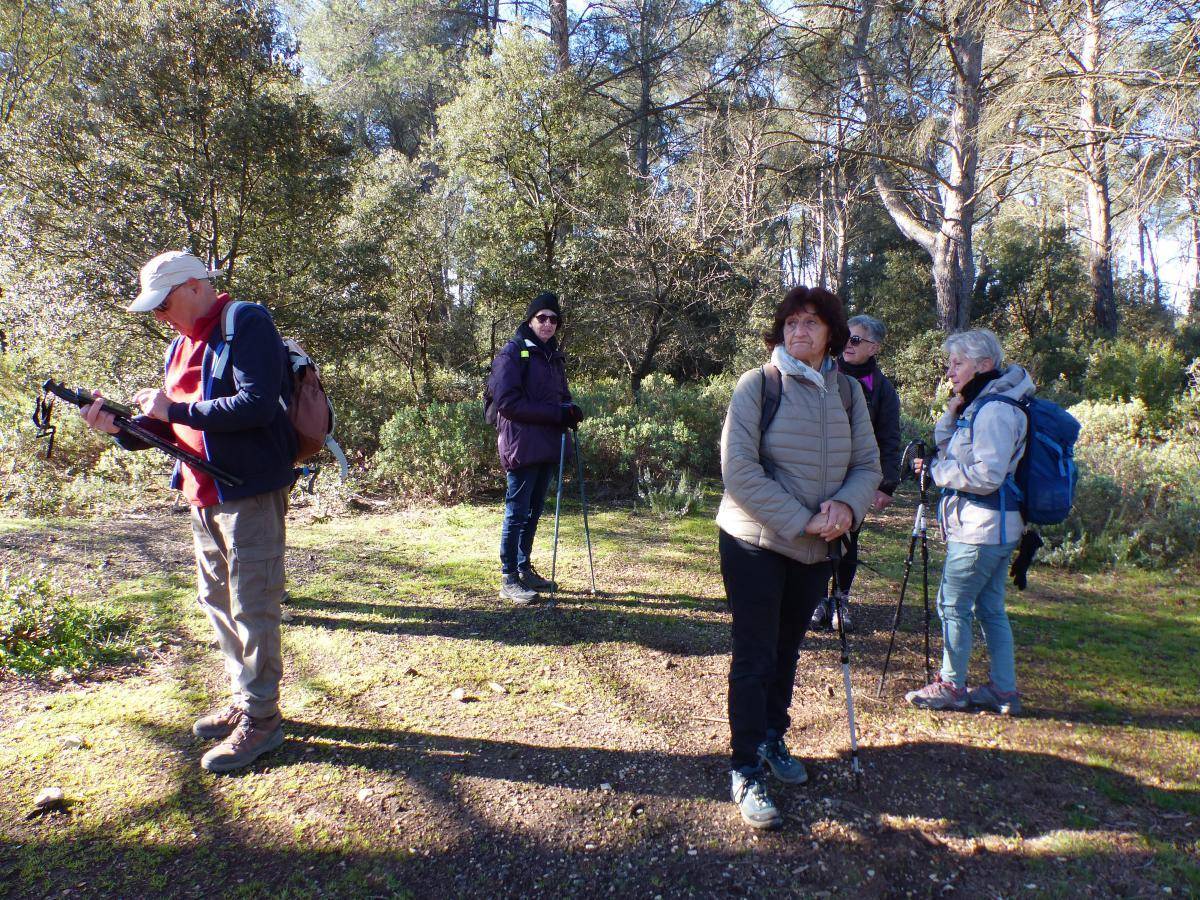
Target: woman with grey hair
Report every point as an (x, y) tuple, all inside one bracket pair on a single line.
[(858, 360), (979, 444)]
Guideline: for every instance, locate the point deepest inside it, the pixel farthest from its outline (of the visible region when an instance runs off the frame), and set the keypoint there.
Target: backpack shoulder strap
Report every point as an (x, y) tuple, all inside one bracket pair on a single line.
[(846, 389), (1023, 406), (228, 318), (772, 393)]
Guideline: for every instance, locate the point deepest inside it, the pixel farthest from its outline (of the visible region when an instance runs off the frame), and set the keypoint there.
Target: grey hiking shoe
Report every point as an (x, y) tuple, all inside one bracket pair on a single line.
[(821, 615), (512, 590), (250, 740), (217, 724), (782, 764), (1006, 703), (749, 792), (938, 694), (535, 582)]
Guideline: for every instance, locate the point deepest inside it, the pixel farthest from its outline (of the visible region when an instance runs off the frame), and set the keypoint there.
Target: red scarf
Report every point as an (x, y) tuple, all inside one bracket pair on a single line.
[(184, 383)]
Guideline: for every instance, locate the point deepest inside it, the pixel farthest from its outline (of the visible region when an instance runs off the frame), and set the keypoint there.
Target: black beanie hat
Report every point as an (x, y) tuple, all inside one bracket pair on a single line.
[(544, 300)]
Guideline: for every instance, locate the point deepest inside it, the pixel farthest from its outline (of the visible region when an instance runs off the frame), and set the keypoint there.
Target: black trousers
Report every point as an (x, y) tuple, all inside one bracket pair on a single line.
[(771, 599), (849, 564)]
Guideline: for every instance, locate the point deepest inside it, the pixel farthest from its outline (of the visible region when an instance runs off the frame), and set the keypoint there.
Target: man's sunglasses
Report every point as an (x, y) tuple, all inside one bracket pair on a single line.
[(856, 340), (547, 318)]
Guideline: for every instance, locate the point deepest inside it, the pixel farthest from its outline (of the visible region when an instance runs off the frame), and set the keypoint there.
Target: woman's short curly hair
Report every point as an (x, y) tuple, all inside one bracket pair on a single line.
[(825, 306)]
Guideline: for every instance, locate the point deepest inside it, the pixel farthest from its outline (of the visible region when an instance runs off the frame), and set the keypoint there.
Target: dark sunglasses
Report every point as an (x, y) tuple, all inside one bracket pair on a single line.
[(547, 318), (856, 340)]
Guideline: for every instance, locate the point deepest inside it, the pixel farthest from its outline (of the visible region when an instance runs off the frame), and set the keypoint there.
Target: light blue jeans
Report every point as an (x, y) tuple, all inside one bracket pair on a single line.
[(973, 588)]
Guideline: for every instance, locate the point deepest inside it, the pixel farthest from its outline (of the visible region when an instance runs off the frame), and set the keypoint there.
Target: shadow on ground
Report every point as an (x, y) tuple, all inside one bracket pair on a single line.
[(994, 822)]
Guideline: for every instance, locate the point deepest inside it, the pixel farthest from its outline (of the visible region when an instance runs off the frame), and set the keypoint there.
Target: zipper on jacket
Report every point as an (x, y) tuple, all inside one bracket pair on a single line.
[(824, 398)]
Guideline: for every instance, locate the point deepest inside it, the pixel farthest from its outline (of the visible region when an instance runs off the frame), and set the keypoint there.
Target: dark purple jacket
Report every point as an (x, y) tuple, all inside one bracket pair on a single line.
[(529, 383)]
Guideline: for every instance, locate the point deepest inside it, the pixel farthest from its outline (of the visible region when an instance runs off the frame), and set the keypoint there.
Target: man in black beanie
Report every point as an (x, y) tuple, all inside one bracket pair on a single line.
[(532, 407)]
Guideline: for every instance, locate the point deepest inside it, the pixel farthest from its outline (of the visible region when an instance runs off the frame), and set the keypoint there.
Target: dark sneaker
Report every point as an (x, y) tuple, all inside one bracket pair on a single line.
[(841, 611), (821, 615), (782, 764), (512, 590), (749, 792), (250, 740), (1006, 703), (938, 694), (217, 724), (535, 582)]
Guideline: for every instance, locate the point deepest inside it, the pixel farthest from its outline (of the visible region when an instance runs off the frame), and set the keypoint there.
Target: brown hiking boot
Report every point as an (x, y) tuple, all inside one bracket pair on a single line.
[(250, 740), (217, 724)]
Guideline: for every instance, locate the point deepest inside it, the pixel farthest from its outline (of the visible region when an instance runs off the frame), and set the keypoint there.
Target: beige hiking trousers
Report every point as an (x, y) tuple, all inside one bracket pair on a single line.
[(239, 563)]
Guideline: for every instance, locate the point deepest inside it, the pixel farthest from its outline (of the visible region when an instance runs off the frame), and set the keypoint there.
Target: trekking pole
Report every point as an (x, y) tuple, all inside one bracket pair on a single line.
[(918, 532), (562, 455), (924, 483), (587, 533), (835, 556)]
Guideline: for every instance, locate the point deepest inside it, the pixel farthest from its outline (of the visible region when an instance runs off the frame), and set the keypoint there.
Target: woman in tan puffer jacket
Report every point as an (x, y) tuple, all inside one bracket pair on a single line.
[(807, 480)]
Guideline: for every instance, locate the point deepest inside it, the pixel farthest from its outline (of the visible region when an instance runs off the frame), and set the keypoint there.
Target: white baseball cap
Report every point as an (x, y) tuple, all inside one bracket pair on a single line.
[(164, 272)]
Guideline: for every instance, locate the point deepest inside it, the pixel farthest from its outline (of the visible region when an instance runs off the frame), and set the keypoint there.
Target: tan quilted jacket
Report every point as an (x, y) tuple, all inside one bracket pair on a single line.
[(817, 455)]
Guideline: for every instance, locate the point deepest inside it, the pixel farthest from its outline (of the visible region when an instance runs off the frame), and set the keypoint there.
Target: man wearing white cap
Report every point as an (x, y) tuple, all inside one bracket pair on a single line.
[(223, 398)]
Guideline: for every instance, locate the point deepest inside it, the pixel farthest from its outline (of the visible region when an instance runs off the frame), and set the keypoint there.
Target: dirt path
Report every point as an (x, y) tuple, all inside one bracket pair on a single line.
[(590, 758)]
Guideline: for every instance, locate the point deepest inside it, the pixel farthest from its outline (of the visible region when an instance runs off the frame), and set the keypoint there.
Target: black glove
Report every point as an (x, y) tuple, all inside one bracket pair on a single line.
[(572, 415), (1030, 542)]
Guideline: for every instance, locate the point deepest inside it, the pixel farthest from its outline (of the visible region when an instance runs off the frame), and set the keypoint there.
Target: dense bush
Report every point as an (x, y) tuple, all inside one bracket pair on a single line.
[(670, 430), (1101, 421), (1125, 369), (446, 452), (87, 474), (442, 451), (1138, 500), (917, 369), (44, 630)]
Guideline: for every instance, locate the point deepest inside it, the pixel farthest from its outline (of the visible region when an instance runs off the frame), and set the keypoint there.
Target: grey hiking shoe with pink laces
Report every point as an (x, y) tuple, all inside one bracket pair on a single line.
[(1006, 703), (939, 694)]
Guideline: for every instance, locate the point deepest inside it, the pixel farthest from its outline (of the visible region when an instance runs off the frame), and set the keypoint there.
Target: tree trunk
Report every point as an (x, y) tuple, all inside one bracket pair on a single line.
[(1191, 190), (1098, 201), (559, 35), (945, 233)]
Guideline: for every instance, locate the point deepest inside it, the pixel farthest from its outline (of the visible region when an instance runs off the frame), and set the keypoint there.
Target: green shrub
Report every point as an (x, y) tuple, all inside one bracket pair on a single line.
[(1166, 538), (1105, 421), (1123, 369), (671, 497), (44, 630), (671, 429), (917, 369), (442, 451), (1136, 503)]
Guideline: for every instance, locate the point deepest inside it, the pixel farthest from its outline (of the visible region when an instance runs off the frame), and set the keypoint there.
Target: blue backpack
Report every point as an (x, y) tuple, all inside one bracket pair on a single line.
[(1044, 484)]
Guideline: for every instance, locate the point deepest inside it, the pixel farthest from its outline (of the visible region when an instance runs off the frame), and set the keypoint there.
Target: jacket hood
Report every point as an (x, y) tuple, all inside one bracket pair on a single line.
[(1013, 382)]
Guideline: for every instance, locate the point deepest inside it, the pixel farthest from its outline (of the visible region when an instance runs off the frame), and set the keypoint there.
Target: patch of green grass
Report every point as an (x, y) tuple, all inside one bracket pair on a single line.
[(1177, 866), (45, 630), (1175, 801), (1117, 644)]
